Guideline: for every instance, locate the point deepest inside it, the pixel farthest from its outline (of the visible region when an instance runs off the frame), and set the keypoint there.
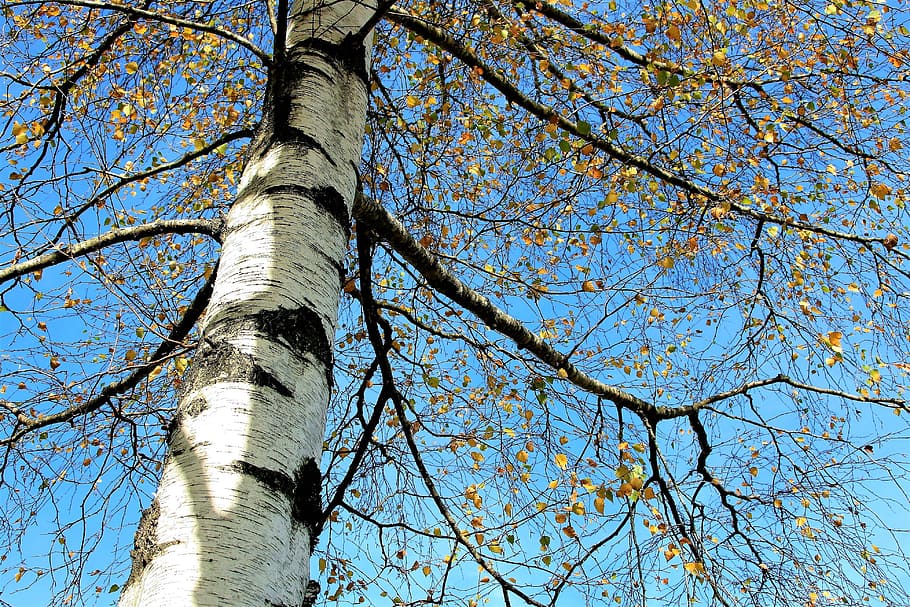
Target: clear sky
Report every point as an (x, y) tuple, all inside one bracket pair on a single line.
[(659, 294)]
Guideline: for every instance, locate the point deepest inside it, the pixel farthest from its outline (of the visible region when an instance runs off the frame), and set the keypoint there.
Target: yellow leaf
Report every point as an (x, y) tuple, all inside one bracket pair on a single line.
[(666, 263), (753, 471), (578, 508), (875, 375), (695, 568), (522, 456), (426, 570), (561, 460), (180, 364), (130, 355), (599, 504), (132, 67), (412, 101)]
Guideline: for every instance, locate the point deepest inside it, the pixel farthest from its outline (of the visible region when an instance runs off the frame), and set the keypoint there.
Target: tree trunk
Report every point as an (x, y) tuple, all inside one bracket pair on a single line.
[(232, 521)]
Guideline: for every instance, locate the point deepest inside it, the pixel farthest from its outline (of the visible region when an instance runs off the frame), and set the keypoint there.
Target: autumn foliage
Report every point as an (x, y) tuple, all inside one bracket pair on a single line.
[(624, 314)]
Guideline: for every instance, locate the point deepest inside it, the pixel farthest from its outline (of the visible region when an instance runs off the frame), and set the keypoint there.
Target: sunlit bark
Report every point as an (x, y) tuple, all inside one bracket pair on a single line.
[(232, 521)]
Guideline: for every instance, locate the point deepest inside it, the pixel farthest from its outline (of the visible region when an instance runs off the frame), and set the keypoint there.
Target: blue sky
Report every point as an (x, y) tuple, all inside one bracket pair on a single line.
[(644, 319)]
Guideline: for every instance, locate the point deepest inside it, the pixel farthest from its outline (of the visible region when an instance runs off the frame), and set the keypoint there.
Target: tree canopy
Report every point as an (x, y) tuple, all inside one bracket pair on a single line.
[(624, 311)]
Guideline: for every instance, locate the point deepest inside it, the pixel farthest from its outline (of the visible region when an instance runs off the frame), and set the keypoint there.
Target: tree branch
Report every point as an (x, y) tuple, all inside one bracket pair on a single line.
[(138, 13), (393, 232), (174, 340), (546, 113), (64, 253), (169, 166), (370, 318)]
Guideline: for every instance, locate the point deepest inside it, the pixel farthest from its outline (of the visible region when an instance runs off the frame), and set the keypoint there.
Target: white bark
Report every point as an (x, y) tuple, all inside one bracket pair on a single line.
[(232, 518)]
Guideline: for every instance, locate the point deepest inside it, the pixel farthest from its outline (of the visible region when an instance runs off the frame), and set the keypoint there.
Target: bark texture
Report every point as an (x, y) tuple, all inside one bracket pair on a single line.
[(232, 521)]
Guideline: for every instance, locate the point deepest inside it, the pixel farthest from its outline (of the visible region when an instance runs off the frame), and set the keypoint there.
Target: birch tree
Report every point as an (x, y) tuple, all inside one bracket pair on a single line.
[(480, 302)]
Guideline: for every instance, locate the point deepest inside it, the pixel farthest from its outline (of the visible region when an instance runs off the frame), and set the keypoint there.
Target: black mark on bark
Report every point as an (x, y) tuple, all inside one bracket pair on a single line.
[(304, 491), (348, 55), (273, 479), (194, 407), (310, 594), (307, 508), (327, 198), (301, 329), (145, 544), (220, 361)]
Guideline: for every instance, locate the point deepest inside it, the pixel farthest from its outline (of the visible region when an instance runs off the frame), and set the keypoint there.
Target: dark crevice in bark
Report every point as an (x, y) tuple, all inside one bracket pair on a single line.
[(309, 596), (326, 198), (284, 133), (349, 55), (273, 479), (145, 544), (196, 406), (218, 361), (301, 329), (303, 491), (307, 504), (311, 593)]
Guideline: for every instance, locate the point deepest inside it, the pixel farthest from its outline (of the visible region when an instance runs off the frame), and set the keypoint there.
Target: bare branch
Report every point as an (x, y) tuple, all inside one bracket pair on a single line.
[(86, 247), (391, 230), (168, 346)]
